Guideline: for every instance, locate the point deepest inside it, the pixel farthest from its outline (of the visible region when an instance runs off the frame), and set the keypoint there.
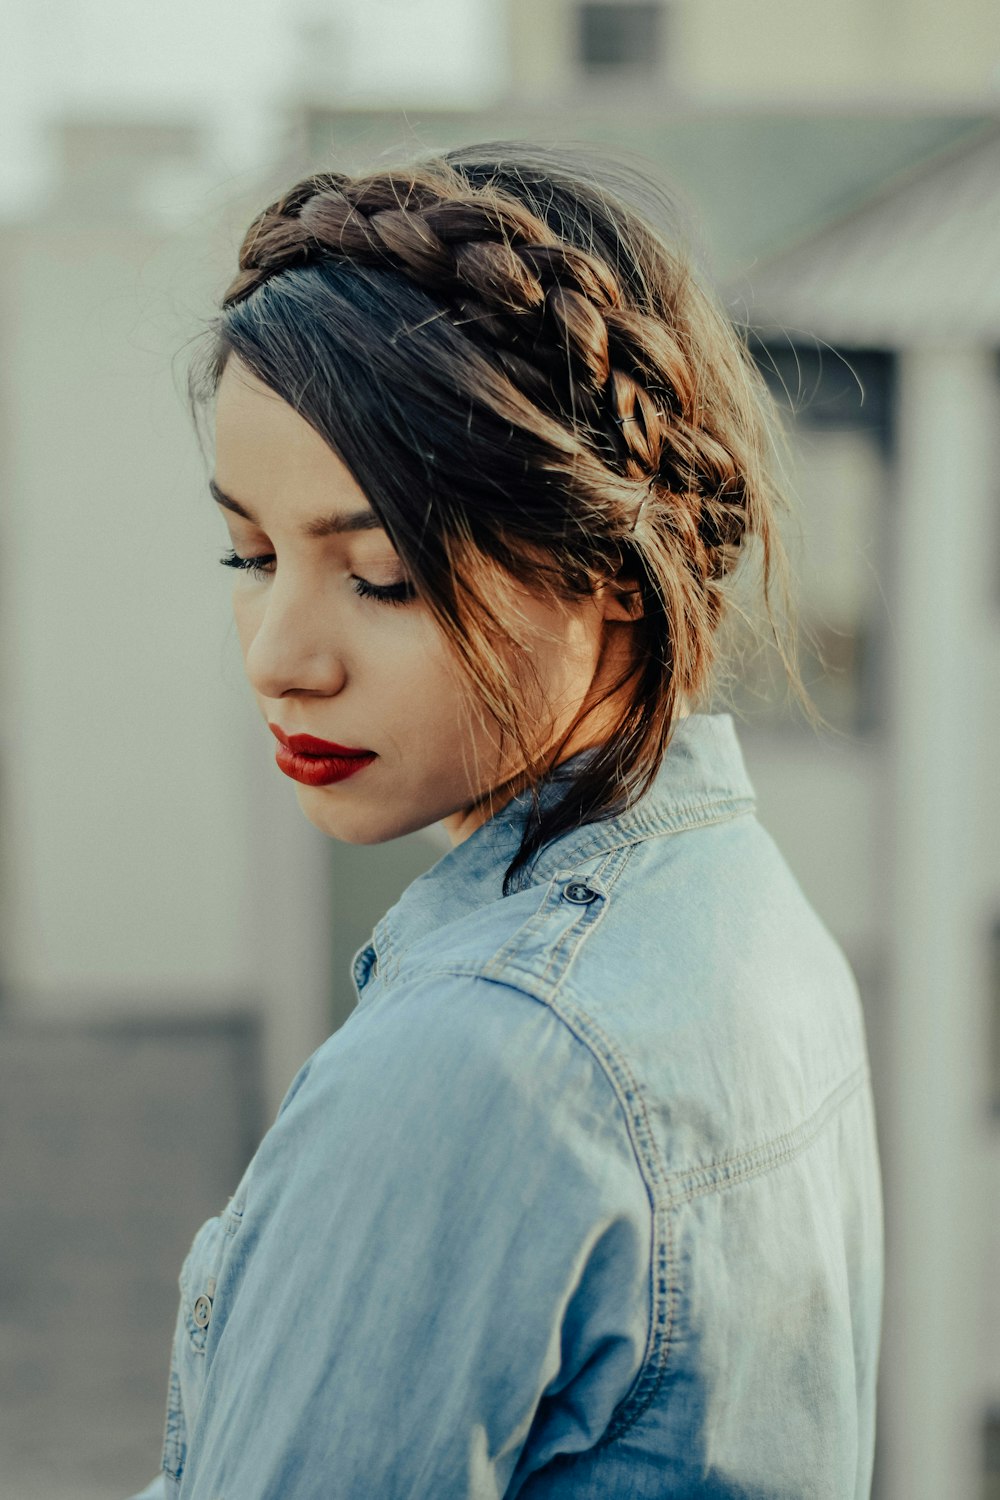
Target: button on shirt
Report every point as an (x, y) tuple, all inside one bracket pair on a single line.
[(583, 1199)]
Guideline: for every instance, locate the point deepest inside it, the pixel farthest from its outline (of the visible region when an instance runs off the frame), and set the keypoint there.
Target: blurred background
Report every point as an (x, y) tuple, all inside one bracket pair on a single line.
[(175, 938)]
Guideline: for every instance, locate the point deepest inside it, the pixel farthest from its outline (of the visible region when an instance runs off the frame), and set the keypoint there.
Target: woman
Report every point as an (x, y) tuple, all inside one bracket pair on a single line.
[(583, 1199)]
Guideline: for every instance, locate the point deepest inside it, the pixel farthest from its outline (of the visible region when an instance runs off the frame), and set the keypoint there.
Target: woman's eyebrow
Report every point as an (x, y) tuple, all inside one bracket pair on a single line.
[(333, 525)]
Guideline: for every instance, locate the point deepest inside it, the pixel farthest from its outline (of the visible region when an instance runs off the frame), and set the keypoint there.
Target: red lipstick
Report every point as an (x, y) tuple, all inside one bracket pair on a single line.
[(316, 762)]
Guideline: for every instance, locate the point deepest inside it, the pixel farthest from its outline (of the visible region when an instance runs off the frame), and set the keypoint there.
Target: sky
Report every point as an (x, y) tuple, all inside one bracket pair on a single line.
[(230, 65)]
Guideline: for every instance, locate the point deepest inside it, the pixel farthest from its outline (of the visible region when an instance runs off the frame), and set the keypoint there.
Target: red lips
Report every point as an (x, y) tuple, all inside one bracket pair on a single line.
[(317, 762)]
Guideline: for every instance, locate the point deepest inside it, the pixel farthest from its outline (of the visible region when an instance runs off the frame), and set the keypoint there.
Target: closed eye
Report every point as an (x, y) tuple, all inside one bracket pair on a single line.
[(261, 567), (254, 565), (386, 593)]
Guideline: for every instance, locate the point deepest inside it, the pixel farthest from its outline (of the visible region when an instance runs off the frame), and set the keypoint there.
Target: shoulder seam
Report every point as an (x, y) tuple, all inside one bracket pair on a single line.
[(667, 1190), (716, 1176), (636, 827), (626, 1091)]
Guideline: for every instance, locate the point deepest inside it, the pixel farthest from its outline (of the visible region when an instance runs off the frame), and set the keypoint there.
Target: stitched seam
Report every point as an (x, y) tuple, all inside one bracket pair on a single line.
[(582, 928), (688, 826), (718, 1174), (174, 1447), (653, 1369), (382, 939), (537, 921), (662, 1185), (727, 1172), (694, 814), (654, 1366), (797, 1141), (585, 921), (635, 828), (639, 827), (663, 1297), (643, 1144)]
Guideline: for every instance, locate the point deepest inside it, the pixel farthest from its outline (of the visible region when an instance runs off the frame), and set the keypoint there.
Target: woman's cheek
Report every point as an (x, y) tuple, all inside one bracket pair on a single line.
[(246, 617), (417, 652)]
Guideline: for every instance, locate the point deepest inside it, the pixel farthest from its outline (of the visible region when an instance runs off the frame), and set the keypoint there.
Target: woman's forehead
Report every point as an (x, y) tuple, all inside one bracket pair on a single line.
[(268, 458)]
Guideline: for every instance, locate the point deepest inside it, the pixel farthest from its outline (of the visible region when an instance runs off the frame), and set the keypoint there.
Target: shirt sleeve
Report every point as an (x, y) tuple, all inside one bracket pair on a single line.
[(441, 1279)]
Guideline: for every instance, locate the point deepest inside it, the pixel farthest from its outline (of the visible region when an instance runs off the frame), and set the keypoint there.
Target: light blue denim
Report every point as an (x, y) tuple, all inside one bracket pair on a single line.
[(583, 1200)]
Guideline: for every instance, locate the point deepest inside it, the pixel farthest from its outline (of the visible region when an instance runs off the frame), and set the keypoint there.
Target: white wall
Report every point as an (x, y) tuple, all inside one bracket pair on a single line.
[(124, 735), (154, 860)]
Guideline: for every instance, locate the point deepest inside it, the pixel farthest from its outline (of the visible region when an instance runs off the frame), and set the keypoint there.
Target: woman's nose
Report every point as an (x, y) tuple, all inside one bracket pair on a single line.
[(291, 646)]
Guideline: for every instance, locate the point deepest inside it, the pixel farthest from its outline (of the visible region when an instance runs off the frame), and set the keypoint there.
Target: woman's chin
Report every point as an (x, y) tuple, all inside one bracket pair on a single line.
[(358, 824)]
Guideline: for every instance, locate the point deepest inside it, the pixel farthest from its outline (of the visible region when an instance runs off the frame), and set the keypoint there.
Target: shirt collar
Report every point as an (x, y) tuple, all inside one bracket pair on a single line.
[(703, 774)]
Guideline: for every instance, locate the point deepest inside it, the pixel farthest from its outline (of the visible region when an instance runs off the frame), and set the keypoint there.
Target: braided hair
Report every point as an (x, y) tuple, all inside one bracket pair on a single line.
[(526, 379)]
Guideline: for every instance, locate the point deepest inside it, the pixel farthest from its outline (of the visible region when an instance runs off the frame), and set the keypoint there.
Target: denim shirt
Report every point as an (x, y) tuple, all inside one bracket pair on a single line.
[(582, 1200)]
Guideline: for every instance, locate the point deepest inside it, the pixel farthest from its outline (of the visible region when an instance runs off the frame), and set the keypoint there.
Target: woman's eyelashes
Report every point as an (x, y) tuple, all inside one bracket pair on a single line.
[(261, 567), (252, 565), (385, 593)]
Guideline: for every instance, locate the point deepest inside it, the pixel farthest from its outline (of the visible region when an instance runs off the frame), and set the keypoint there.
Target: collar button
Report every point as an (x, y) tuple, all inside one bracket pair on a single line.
[(578, 893)]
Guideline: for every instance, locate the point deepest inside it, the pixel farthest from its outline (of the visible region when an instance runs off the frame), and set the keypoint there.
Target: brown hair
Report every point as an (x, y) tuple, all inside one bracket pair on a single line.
[(526, 378)]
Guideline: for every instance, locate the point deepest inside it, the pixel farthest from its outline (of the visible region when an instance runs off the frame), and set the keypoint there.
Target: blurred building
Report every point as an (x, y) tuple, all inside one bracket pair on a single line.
[(132, 804), (788, 54), (911, 279), (157, 882), (164, 967)]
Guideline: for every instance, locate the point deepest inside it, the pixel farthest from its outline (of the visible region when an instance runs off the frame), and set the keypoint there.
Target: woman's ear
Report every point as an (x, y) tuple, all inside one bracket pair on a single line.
[(620, 599)]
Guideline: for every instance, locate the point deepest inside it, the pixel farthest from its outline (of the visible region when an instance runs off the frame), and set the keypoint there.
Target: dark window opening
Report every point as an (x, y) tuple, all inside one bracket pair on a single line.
[(837, 408), (991, 1454), (618, 37)]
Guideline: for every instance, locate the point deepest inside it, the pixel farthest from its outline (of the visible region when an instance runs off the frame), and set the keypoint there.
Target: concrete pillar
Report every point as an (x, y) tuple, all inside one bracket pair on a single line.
[(933, 1106)]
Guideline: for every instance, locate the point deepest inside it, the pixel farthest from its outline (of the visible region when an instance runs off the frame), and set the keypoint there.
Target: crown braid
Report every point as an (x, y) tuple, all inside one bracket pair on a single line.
[(527, 379), (553, 315)]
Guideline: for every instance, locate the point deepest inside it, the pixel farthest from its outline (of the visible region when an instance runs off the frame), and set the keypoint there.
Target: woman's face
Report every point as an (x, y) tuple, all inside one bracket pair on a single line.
[(334, 648)]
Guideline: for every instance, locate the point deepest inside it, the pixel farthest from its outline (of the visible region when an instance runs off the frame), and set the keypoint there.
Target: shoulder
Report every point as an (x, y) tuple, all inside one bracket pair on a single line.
[(686, 964), (452, 1067), (681, 923)]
